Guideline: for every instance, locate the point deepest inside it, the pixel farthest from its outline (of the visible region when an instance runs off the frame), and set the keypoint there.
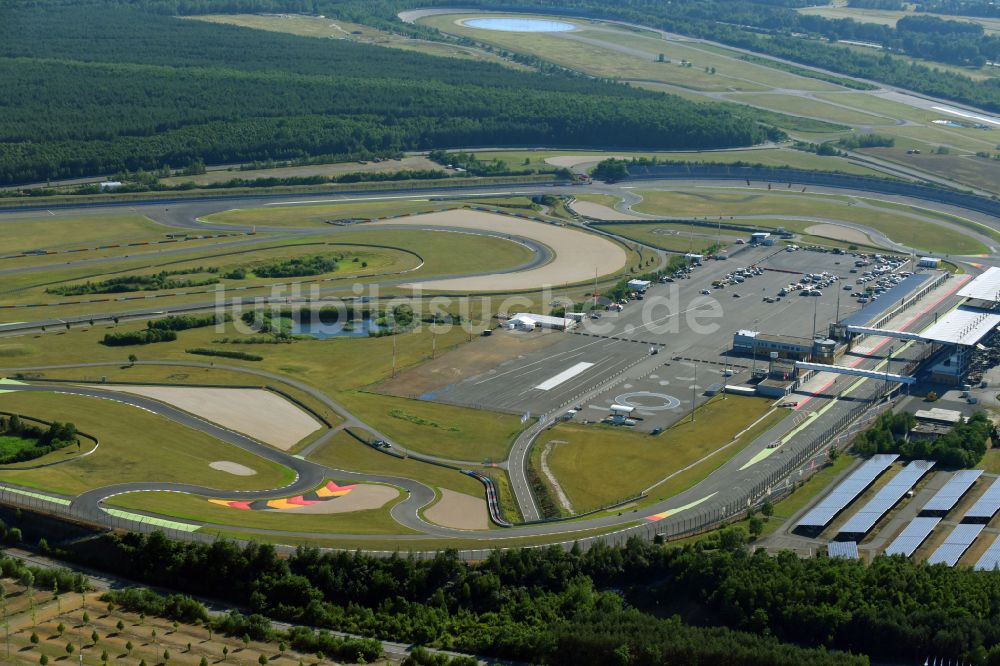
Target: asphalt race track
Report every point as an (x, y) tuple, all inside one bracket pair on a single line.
[(746, 477)]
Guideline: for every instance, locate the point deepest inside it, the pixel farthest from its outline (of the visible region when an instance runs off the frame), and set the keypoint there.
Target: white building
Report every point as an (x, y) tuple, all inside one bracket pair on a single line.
[(638, 285), (110, 185), (929, 262), (759, 237), (521, 323), (544, 321)]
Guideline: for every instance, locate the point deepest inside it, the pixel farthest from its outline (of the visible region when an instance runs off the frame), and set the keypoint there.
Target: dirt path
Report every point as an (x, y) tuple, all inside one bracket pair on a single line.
[(560, 495)]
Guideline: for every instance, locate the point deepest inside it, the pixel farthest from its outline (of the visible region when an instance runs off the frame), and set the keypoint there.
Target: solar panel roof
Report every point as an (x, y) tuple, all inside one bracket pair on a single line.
[(955, 544), (988, 503), (847, 491), (886, 498), (947, 497), (912, 536), (845, 549), (991, 558)]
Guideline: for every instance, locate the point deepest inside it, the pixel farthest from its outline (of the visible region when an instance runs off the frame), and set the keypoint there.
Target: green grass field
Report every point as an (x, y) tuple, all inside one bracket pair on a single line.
[(597, 465), (594, 59), (803, 106), (134, 446), (766, 156), (728, 64), (354, 261), (448, 431), (673, 237), (34, 232), (443, 254), (601, 55), (403, 545), (345, 452), (699, 472), (706, 202), (318, 215), (335, 364), (199, 509)]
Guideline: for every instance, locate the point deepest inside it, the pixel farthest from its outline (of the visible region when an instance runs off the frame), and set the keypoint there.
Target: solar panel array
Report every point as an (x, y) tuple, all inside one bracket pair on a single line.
[(846, 549), (946, 498), (912, 536), (987, 505), (846, 492), (991, 558), (886, 498), (955, 544)]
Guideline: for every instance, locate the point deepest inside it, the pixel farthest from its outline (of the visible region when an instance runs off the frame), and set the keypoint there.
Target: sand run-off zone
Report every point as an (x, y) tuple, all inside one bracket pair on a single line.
[(260, 414)]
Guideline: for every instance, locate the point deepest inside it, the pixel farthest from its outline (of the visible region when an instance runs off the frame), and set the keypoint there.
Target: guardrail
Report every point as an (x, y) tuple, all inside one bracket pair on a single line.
[(492, 497)]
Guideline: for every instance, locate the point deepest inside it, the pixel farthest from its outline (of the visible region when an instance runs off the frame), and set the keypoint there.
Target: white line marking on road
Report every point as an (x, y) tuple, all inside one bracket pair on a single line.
[(963, 114), (564, 376)]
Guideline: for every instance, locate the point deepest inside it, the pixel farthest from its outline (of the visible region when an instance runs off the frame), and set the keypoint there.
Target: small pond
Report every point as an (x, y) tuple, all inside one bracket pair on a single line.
[(348, 329), (508, 24)]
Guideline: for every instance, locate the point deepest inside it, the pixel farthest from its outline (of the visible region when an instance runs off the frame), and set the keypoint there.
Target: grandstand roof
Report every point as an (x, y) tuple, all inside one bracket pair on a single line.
[(963, 326), (986, 287)]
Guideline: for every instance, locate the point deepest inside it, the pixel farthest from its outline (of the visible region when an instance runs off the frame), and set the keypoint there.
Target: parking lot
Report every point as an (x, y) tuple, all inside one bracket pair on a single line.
[(690, 331)]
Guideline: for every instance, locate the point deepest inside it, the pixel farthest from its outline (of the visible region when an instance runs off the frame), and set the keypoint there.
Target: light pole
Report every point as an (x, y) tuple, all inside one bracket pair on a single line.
[(888, 365), (694, 388)]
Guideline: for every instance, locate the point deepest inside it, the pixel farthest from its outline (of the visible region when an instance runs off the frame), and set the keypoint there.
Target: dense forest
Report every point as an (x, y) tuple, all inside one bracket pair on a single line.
[(98, 87), (633, 605)]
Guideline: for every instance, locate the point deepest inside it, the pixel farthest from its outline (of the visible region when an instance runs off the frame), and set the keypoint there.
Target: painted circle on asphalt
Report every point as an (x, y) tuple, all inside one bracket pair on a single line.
[(648, 401)]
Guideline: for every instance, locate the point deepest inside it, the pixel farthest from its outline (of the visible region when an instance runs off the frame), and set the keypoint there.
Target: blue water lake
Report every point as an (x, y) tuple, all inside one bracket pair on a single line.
[(353, 329), (519, 24)]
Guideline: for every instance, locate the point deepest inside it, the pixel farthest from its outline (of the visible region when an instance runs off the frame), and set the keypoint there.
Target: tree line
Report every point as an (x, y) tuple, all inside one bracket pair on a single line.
[(629, 605), (539, 606), (962, 446), (959, 8), (161, 330)]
